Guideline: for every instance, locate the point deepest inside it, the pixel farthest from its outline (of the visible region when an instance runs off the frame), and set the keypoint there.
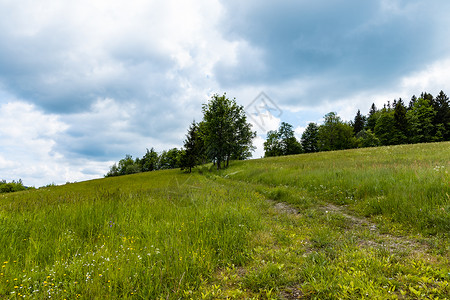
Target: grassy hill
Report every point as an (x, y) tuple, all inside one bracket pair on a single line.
[(369, 223)]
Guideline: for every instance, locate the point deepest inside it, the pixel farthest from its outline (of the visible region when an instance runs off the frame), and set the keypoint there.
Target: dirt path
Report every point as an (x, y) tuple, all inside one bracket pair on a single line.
[(378, 239)]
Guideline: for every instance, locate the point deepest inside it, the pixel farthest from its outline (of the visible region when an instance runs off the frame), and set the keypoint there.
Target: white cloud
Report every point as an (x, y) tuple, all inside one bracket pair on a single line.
[(28, 148)]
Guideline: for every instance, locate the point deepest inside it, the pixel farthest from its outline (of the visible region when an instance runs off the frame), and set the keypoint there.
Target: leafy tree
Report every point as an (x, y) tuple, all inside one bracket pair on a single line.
[(289, 144), (113, 171), (128, 166), (309, 138), (169, 159), (366, 138), (149, 161), (359, 122), (226, 131), (242, 135), (272, 145), (10, 187), (282, 142), (385, 126), (335, 134)]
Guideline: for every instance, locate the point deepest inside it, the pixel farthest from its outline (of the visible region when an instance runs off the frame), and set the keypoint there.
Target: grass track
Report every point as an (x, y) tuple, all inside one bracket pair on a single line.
[(367, 223)]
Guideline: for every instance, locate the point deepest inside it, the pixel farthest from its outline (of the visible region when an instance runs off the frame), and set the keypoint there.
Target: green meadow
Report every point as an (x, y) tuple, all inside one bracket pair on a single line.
[(369, 223)]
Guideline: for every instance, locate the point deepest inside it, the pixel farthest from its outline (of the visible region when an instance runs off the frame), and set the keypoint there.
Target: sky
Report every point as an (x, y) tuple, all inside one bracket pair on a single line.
[(83, 83)]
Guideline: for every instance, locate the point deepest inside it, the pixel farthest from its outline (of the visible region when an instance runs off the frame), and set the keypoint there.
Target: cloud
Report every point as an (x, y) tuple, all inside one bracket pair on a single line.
[(341, 48)]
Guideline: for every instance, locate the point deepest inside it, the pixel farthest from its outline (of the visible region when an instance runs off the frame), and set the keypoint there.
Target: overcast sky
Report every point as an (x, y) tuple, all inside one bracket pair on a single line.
[(82, 83)]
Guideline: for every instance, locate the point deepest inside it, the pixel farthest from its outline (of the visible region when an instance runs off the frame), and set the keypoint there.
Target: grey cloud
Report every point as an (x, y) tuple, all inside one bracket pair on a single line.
[(338, 46)]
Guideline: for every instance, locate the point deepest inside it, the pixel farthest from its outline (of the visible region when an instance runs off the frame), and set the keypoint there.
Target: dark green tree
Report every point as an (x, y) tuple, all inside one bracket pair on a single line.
[(191, 155), (169, 159), (359, 122), (372, 118), (399, 135), (11, 187), (412, 102), (441, 121), (309, 138), (149, 161), (288, 142), (272, 145), (128, 166), (282, 142)]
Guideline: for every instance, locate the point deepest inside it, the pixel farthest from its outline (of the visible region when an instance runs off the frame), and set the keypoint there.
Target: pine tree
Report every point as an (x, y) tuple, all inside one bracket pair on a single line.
[(309, 138), (372, 118), (441, 120), (400, 123), (289, 144), (358, 123), (191, 154)]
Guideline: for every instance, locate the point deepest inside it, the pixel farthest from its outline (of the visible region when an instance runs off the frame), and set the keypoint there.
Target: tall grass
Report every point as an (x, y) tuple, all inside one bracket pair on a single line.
[(165, 234), (154, 235), (408, 184)]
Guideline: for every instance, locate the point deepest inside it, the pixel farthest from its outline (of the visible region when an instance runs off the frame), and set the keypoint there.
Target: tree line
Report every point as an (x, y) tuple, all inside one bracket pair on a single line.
[(223, 135), (425, 119), (13, 186)]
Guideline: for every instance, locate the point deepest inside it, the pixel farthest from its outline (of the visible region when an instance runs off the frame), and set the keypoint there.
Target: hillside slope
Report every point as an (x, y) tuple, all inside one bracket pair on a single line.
[(367, 223)]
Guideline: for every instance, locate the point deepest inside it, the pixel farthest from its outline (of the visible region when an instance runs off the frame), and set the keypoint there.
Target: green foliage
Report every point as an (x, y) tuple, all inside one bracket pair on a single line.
[(309, 138), (10, 187), (282, 142), (420, 121), (225, 132), (169, 159), (372, 118), (385, 127), (365, 138), (441, 106), (334, 134), (151, 161), (193, 148), (359, 122), (400, 123)]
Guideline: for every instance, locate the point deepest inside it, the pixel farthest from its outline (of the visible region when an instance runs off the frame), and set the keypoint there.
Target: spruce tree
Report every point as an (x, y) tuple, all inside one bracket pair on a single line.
[(190, 156), (372, 118), (309, 139), (358, 123)]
